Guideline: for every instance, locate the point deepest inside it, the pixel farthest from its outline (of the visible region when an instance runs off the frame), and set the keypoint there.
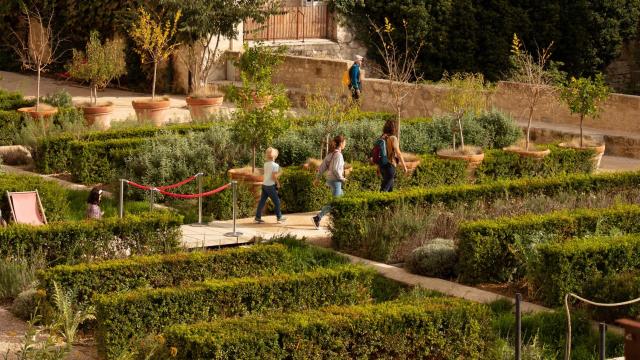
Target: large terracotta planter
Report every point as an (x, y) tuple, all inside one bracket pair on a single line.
[(411, 161), (98, 115), (260, 102), (473, 159), (598, 149), (244, 175), (156, 112), (44, 112), (531, 153), (202, 107), (313, 165)]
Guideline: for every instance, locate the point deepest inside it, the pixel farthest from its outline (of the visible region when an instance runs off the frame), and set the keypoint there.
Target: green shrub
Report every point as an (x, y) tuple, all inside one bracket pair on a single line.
[(13, 100), (564, 267), (614, 287), (52, 195), (25, 304), (436, 258), (500, 130), (18, 274), (294, 149), (352, 212), (220, 205), (10, 124), (433, 328), (499, 250), (59, 99), (299, 194), (501, 165), (123, 316), (76, 241), (99, 161), (163, 270)]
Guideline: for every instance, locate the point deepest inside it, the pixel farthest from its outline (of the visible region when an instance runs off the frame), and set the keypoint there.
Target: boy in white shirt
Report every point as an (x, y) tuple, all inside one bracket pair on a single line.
[(269, 186)]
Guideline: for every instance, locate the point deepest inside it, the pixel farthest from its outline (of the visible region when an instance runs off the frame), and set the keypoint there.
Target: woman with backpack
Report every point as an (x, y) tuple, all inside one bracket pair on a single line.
[(386, 154), (332, 168)]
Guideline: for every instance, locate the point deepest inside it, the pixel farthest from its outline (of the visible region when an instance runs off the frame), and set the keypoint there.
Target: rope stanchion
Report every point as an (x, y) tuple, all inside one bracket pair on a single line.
[(193, 196), (567, 352)]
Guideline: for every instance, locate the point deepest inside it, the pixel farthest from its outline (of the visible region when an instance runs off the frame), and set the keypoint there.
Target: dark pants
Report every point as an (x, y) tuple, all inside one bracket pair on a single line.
[(355, 94), (388, 173), (269, 192)]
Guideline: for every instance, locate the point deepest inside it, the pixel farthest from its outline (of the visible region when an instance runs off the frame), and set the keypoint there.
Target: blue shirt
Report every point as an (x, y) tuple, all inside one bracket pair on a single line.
[(354, 76)]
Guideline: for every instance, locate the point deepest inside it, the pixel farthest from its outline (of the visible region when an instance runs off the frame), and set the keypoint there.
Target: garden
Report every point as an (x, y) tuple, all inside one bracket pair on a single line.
[(480, 204)]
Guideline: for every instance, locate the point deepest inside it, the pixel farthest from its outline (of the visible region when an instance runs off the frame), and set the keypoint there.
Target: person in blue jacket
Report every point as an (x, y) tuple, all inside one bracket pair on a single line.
[(355, 78)]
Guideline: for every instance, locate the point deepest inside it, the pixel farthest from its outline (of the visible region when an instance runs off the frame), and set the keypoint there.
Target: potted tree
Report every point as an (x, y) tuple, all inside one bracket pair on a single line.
[(584, 96), (100, 64), (536, 80), (257, 65), (203, 25), (154, 39), (464, 94), (37, 48)]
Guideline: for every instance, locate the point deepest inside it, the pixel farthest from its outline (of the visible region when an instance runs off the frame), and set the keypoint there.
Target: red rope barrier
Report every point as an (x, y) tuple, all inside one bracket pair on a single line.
[(193, 196), (166, 187), (143, 187)]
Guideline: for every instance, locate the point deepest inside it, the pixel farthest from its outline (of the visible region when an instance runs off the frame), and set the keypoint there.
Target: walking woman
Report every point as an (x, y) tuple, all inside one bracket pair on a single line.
[(333, 169), (393, 156)]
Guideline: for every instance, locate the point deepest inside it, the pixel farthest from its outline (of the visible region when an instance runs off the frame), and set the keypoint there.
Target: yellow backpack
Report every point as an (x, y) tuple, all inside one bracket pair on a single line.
[(345, 78)]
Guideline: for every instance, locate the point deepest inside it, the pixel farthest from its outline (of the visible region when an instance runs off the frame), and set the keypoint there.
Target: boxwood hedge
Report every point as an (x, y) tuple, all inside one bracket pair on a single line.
[(433, 328), (499, 250), (124, 316)]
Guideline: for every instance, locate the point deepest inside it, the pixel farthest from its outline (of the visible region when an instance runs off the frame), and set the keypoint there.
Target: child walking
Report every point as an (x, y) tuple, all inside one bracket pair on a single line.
[(270, 186), (333, 166)]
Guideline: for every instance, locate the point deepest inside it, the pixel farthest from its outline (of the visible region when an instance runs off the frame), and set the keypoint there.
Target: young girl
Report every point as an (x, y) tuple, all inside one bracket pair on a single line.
[(333, 166), (269, 188), (93, 204)]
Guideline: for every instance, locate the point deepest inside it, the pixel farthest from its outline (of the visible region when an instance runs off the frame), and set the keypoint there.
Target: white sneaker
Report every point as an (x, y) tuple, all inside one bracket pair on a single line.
[(282, 220)]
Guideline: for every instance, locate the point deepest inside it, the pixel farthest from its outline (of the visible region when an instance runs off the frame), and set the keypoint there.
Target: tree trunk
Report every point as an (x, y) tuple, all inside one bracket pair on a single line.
[(581, 137), (253, 162), (153, 87), (398, 124), (529, 128), (461, 135), (38, 90)]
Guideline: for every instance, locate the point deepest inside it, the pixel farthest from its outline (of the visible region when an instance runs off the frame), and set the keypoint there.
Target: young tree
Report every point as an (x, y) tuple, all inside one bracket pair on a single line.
[(583, 96), (38, 47), (399, 64), (540, 80), (154, 38), (100, 64), (205, 22), (466, 94)]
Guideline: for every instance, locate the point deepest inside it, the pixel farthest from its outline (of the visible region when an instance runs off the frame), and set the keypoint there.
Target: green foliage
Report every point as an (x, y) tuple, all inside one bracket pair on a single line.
[(351, 213), (501, 165), (468, 36), (433, 328), (25, 304), (613, 287), (257, 64), (59, 99), (67, 315), (18, 274), (502, 249), (52, 195), (584, 95), (67, 242), (563, 267), (220, 206), (127, 315), (437, 258), (157, 271), (13, 100)]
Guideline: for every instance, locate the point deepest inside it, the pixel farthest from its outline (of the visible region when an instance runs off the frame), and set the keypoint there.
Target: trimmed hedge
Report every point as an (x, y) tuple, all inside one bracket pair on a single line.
[(351, 212), (55, 154), (503, 165), (499, 250), (569, 266), (434, 328), (157, 271), (71, 242), (613, 288), (124, 316), (10, 124)]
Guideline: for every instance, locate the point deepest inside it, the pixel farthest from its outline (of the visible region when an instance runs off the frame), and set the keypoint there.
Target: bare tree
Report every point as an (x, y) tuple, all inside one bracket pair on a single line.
[(399, 64), (38, 47), (533, 72)]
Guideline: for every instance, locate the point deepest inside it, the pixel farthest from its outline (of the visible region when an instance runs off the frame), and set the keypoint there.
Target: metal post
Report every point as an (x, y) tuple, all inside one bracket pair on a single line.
[(151, 199), (199, 176), (603, 342), (121, 203), (234, 186), (518, 327)]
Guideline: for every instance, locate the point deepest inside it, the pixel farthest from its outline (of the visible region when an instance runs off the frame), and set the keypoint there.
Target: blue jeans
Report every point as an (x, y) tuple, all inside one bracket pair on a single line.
[(269, 192), (388, 173), (336, 191)]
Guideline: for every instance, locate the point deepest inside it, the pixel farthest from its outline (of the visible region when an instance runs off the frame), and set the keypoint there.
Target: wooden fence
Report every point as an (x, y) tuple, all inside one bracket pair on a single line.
[(295, 23)]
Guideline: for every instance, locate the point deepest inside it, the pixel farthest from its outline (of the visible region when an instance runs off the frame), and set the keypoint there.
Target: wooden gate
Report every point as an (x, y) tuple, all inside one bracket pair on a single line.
[(295, 23)]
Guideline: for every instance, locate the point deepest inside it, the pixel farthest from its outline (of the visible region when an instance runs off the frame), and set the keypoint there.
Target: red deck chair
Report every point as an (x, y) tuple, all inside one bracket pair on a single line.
[(26, 208)]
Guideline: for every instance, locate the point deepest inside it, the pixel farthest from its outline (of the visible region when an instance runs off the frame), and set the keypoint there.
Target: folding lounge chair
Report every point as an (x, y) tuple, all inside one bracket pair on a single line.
[(26, 208)]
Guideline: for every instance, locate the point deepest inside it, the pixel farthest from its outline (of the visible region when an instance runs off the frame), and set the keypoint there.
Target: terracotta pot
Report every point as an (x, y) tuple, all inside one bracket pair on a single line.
[(473, 160), (44, 112), (99, 114), (260, 102), (533, 153), (313, 165), (411, 161), (155, 112), (203, 107), (598, 149), (254, 180)]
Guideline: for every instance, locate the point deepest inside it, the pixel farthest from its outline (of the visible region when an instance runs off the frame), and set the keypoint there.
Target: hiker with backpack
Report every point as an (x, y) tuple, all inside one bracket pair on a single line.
[(386, 154), (355, 78), (332, 168)]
